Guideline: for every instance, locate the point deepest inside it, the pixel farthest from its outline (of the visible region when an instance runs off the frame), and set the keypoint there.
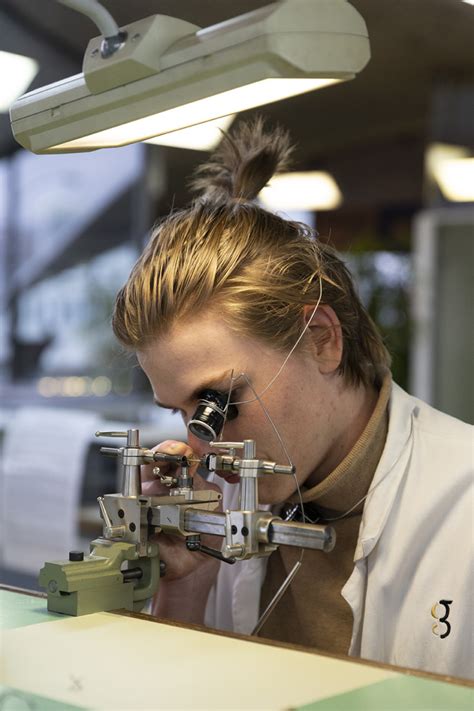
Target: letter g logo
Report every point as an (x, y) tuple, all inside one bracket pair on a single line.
[(443, 619)]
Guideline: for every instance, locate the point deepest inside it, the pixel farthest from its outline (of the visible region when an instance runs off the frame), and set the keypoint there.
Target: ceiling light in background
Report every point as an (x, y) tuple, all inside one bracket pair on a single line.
[(16, 72), (456, 179), (202, 137), (170, 74), (452, 167), (312, 190)]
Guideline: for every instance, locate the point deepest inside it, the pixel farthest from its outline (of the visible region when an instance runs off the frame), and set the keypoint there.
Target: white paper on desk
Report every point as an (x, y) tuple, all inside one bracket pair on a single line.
[(43, 465), (98, 673)]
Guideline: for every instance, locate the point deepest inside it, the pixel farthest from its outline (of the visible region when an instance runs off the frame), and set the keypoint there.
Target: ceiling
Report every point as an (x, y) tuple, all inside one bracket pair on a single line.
[(417, 86)]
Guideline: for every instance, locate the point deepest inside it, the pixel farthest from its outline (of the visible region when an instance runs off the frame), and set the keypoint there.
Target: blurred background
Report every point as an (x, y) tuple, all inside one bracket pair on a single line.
[(393, 154)]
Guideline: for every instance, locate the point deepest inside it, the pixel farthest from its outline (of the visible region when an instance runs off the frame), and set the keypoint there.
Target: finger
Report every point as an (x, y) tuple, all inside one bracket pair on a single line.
[(171, 446), (167, 447), (154, 488)]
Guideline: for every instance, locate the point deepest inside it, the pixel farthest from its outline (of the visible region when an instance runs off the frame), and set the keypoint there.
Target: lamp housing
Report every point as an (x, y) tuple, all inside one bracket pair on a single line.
[(170, 74)]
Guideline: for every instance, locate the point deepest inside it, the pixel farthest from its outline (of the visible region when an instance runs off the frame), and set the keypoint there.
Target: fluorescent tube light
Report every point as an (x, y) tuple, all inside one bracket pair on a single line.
[(312, 190), (452, 167), (170, 75), (16, 72), (202, 137), (244, 97)]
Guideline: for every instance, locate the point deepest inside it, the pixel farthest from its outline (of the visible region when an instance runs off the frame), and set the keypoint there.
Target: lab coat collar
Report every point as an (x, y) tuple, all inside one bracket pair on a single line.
[(390, 470)]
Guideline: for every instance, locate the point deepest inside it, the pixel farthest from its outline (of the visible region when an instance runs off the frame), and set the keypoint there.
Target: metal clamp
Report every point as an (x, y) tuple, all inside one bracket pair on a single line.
[(111, 531)]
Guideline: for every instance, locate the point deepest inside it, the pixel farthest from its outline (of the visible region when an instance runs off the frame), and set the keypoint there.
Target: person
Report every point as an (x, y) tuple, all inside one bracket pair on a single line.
[(229, 296)]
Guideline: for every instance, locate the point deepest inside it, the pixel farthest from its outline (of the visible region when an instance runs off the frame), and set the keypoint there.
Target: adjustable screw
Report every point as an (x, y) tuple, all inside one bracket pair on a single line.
[(166, 480), (193, 543)]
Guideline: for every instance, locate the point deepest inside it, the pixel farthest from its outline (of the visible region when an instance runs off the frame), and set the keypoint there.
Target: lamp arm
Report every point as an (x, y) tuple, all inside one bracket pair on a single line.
[(96, 12)]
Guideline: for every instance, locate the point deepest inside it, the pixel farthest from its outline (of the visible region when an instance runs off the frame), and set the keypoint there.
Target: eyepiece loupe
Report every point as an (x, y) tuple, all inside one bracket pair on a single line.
[(208, 420)]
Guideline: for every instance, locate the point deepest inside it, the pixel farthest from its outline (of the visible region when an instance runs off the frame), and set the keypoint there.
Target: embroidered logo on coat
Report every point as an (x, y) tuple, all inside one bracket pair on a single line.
[(436, 613)]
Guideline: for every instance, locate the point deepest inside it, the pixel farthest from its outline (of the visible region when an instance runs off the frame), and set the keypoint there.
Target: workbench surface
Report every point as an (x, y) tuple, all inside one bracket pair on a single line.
[(111, 661)]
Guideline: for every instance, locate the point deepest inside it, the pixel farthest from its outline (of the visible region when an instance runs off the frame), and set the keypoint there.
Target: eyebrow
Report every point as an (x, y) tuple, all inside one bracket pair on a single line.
[(221, 382)]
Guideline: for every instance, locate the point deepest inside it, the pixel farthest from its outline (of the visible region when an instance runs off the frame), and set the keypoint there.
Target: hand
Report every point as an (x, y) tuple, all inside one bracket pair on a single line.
[(179, 561)]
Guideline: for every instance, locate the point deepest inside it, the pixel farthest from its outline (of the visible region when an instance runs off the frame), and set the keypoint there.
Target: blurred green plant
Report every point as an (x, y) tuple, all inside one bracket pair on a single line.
[(383, 281)]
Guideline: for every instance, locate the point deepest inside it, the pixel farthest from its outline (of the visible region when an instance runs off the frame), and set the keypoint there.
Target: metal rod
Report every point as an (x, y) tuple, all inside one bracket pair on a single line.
[(303, 535), (132, 485), (133, 438), (110, 530), (289, 533), (226, 445), (99, 15), (276, 598), (110, 434), (131, 480), (248, 496), (110, 451), (204, 522), (132, 574), (179, 459), (103, 511)]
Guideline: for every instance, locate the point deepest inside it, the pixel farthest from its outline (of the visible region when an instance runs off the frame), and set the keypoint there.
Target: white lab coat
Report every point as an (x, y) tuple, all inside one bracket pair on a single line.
[(414, 550)]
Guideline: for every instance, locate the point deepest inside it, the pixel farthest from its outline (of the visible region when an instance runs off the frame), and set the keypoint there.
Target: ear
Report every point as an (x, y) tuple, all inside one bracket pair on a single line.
[(326, 333)]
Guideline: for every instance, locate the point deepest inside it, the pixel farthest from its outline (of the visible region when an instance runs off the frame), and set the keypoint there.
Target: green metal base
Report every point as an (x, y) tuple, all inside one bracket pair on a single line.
[(87, 601), (96, 584)]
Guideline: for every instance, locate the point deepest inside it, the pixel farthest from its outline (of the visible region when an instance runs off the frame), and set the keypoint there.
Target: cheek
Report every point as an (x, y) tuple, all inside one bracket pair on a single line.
[(236, 431), (252, 423), (243, 423), (275, 489)]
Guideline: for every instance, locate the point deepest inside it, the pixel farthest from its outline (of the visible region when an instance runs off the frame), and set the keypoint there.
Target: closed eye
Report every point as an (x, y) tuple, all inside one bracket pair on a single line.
[(173, 410)]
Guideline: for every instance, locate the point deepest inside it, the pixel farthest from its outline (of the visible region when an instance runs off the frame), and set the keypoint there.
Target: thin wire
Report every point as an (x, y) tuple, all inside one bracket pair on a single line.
[(227, 404), (276, 598), (291, 575), (267, 415), (289, 578), (283, 446), (307, 325), (275, 428)]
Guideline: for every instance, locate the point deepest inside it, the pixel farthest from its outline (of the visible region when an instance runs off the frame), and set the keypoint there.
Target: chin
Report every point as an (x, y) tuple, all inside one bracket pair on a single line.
[(275, 492)]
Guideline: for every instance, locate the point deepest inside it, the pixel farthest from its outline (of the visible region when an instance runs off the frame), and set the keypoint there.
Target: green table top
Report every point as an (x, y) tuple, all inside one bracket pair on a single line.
[(410, 693), (19, 610), (16, 700)]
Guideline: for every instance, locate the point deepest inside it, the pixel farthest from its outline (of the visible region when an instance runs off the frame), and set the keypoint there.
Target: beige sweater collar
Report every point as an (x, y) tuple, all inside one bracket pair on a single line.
[(350, 480)]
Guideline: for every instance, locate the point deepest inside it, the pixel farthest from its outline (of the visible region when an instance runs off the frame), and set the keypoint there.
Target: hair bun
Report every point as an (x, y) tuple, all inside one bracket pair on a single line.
[(244, 162)]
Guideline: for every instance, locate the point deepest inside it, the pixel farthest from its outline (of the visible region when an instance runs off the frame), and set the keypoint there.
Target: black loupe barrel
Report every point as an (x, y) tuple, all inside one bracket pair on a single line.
[(209, 418)]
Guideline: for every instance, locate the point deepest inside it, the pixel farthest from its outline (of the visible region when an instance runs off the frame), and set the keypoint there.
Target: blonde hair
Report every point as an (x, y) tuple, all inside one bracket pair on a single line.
[(253, 268)]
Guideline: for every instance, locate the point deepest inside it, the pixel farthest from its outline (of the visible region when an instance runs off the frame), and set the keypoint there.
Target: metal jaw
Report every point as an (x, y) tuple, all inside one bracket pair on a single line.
[(100, 582)]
